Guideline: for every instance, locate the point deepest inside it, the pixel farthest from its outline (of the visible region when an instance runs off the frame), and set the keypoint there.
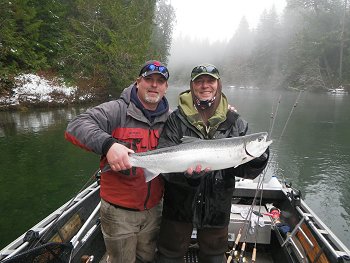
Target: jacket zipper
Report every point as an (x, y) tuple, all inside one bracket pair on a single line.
[(148, 194), (149, 183)]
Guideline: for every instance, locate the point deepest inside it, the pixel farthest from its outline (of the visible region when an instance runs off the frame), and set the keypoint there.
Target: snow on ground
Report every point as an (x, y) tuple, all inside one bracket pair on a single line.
[(31, 88)]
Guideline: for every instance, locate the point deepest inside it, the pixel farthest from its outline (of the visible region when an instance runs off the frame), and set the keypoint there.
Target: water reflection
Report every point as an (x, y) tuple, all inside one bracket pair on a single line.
[(12, 123)]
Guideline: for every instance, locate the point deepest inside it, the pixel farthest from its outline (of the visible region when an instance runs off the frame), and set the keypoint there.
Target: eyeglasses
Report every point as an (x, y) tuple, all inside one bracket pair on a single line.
[(151, 68), (200, 70)]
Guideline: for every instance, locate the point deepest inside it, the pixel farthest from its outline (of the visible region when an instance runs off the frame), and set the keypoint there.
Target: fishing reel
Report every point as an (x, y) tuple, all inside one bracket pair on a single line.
[(294, 195)]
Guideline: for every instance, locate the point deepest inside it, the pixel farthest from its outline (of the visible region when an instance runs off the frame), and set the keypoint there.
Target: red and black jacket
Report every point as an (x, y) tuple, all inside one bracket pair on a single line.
[(122, 120)]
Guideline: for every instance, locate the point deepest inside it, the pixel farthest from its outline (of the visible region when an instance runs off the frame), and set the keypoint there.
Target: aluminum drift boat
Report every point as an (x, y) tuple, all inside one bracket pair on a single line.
[(274, 225)]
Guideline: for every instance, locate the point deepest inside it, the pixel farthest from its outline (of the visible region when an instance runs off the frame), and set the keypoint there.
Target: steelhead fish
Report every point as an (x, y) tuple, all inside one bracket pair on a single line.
[(216, 154)]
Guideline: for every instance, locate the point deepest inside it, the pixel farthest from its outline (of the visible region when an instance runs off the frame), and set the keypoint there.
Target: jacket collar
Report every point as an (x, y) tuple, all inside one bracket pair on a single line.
[(129, 95), (188, 110)]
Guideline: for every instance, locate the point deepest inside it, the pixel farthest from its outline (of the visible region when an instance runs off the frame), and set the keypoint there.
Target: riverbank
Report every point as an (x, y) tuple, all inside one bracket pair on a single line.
[(37, 91)]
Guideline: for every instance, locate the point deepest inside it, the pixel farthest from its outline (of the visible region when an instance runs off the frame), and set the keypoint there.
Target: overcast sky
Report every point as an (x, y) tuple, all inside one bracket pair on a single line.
[(218, 19)]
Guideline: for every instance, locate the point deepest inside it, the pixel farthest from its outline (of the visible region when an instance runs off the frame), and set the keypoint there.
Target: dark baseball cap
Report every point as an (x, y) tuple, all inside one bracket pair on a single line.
[(152, 67), (205, 69)]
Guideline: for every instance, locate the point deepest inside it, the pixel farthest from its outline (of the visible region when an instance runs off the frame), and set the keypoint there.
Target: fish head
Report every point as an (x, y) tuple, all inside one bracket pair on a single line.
[(256, 144)]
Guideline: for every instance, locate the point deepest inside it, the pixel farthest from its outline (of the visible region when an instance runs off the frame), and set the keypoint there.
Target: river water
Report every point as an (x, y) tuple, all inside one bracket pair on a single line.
[(39, 170)]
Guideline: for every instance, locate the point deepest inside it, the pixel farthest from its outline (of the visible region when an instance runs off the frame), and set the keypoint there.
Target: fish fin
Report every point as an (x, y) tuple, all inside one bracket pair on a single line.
[(150, 174), (188, 139)]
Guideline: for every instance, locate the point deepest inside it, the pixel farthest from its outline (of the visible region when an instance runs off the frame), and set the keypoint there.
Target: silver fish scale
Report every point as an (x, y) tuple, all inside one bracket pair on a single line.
[(214, 154)]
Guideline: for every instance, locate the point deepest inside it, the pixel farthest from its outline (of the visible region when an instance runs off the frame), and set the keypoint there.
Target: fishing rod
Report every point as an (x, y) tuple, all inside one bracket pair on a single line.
[(259, 213), (233, 255), (233, 252), (272, 157), (273, 117), (245, 225), (260, 186), (290, 114)]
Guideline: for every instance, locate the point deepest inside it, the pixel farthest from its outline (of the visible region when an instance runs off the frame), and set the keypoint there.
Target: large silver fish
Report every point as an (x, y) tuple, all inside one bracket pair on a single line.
[(216, 154)]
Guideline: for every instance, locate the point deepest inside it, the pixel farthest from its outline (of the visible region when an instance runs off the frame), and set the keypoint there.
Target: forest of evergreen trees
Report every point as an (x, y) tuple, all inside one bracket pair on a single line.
[(96, 45), (100, 45), (307, 47)]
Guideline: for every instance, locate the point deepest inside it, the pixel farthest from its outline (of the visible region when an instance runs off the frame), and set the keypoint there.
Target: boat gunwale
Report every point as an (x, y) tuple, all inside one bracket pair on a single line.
[(18, 245)]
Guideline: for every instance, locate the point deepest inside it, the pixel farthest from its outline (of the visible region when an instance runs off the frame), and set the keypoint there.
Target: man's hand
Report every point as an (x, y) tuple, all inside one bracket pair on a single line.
[(232, 108), (196, 172), (118, 157)]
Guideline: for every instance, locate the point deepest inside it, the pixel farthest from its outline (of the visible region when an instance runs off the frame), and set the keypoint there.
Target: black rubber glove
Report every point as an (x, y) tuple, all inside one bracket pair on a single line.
[(261, 160), (194, 179)]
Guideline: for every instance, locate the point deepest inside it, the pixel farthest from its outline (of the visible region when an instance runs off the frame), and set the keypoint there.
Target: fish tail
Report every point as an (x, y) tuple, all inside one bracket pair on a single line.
[(150, 174)]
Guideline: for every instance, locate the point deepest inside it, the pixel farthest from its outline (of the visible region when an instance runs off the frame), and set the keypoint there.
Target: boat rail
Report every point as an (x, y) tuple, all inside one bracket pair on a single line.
[(19, 244), (323, 233)]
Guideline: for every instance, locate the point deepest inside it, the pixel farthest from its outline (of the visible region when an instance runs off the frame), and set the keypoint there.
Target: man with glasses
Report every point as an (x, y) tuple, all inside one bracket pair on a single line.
[(130, 207), (199, 197)]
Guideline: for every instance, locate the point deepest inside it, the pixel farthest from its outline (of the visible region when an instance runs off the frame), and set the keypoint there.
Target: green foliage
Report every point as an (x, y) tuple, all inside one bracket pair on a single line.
[(19, 49), (162, 31), (29, 33), (107, 42), (51, 14), (98, 45)]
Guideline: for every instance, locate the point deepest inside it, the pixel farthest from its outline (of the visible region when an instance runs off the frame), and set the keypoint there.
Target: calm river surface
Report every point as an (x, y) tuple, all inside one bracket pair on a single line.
[(39, 170)]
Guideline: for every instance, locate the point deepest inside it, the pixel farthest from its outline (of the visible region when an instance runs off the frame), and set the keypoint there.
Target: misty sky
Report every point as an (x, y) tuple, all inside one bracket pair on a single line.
[(218, 19)]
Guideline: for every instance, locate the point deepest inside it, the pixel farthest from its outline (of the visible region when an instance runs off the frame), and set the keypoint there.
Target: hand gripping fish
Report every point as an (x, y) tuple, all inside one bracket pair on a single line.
[(216, 154)]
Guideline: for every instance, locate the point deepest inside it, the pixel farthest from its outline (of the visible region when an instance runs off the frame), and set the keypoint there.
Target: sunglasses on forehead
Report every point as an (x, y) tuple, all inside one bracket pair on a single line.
[(152, 67), (204, 69)]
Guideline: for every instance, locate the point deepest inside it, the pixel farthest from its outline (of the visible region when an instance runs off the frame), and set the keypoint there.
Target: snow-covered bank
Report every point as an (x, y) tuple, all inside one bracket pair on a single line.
[(35, 90)]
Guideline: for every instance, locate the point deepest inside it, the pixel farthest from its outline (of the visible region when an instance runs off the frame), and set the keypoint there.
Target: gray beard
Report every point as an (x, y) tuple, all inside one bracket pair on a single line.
[(152, 99)]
